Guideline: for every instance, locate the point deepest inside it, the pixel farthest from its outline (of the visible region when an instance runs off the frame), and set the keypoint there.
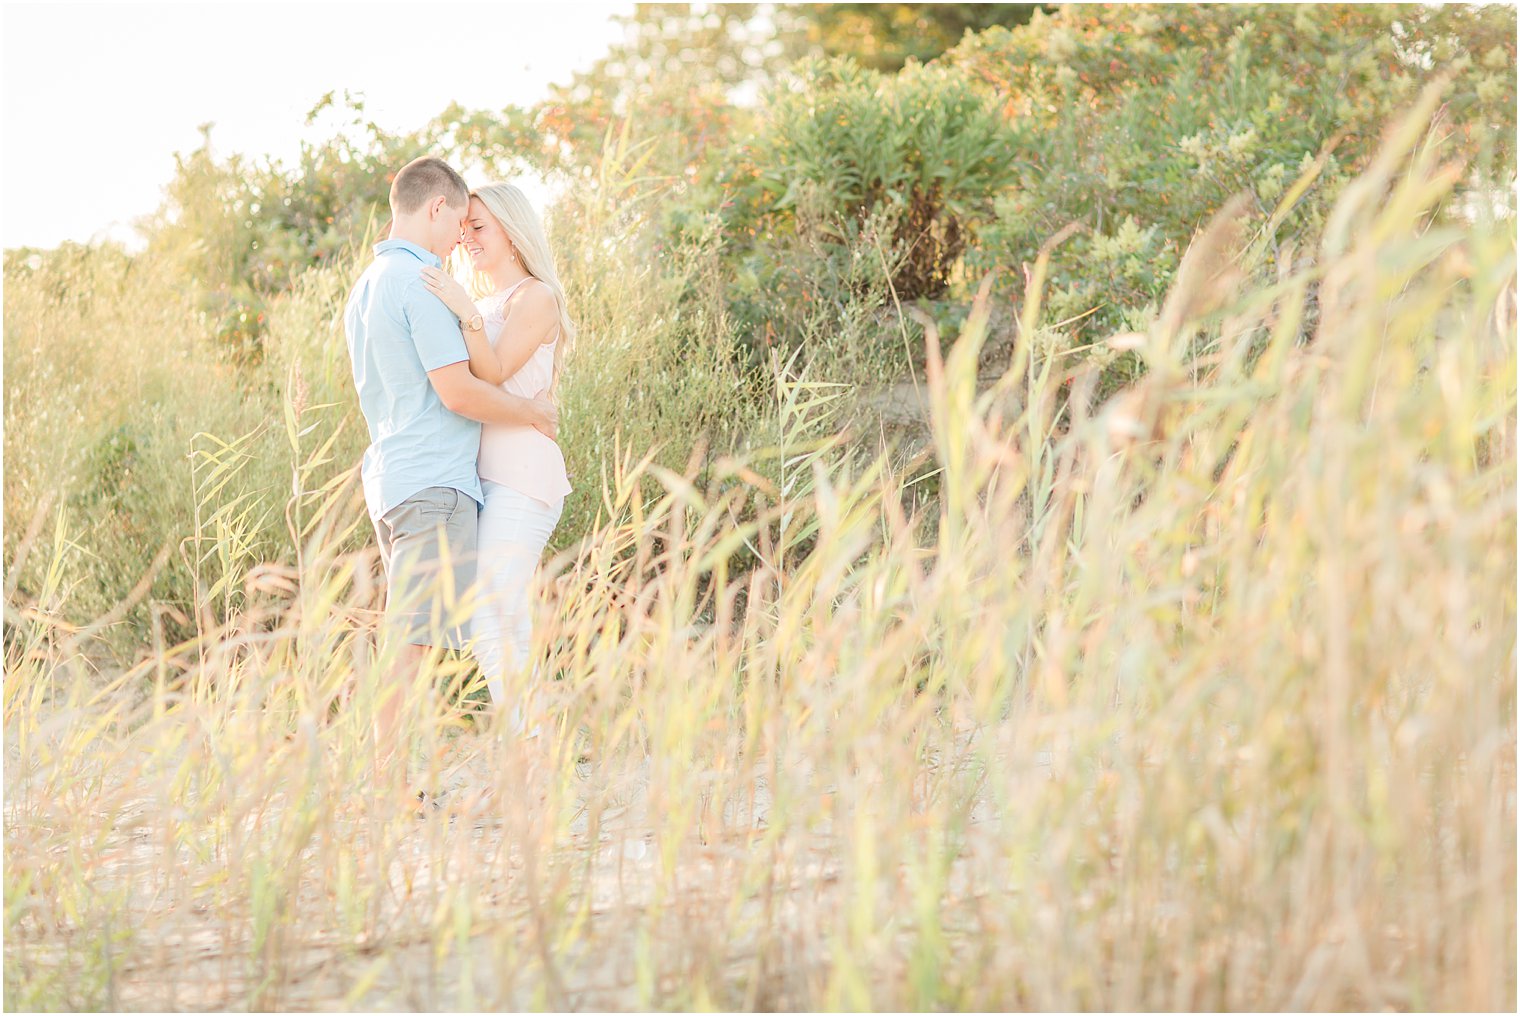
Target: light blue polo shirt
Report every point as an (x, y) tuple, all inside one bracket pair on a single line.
[(397, 332)]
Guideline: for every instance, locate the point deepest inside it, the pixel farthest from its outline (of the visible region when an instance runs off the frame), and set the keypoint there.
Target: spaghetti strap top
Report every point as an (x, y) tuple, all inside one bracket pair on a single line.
[(523, 458)]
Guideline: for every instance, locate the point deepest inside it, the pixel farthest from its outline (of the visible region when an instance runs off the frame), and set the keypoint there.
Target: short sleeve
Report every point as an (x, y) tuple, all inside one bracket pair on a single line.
[(434, 328)]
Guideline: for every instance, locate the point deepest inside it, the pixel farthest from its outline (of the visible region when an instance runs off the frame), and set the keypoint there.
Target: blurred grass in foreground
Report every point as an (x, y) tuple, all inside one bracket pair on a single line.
[(1200, 698)]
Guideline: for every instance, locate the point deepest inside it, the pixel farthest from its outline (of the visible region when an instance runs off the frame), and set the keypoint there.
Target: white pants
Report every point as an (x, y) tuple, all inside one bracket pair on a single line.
[(513, 531)]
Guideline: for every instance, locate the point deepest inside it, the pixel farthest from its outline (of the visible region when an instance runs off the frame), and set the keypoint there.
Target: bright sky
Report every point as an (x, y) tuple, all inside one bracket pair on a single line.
[(98, 97)]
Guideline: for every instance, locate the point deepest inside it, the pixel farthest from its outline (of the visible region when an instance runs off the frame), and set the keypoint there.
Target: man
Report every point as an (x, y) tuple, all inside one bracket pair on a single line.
[(424, 409)]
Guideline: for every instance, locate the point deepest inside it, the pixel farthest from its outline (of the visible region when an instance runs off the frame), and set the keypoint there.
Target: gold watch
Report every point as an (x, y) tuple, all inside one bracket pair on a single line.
[(475, 323)]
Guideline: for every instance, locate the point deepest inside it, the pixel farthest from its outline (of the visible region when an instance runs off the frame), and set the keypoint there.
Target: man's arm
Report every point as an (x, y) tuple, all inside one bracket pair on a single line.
[(441, 348), (467, 395)]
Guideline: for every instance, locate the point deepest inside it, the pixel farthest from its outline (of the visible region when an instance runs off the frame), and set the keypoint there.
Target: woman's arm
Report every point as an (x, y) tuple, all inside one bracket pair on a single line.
[(532, 316), (464, 393), (484, 363)]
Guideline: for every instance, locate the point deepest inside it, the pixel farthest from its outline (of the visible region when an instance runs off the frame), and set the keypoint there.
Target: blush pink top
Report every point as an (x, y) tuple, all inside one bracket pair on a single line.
[(523, 458)]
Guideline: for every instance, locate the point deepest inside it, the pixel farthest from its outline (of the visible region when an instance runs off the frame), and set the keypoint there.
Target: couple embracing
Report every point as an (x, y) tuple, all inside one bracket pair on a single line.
[(463, 478)]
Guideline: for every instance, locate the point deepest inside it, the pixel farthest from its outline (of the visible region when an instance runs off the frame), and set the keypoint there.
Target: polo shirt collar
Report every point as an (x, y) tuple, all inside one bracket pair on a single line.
[(421, 254)]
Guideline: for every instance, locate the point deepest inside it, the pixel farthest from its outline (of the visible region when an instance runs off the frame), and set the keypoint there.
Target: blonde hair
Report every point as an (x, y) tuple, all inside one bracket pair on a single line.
[(510, 208)]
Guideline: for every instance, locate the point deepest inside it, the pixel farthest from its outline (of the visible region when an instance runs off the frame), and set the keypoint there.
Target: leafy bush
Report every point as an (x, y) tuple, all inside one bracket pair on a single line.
[(850, 166), (1141, 122), (885, 37), (245, 230)]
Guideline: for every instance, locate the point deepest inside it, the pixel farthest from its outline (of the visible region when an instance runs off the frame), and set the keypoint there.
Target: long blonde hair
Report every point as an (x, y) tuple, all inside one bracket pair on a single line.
[(510, 208)]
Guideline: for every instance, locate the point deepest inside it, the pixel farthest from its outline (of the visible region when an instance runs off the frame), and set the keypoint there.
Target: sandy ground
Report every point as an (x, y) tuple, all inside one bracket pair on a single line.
[(696, 906)]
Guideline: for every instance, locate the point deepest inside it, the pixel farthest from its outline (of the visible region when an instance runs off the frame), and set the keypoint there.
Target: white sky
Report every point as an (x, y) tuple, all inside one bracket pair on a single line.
[(98, 97)]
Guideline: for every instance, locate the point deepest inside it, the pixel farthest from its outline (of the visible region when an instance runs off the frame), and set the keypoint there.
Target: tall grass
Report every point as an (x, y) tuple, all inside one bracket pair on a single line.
[(115, 378), (1200, 698)]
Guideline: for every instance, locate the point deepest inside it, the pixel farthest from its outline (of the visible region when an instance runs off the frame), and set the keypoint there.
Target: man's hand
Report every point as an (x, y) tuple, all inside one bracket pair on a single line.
[(549, 425)]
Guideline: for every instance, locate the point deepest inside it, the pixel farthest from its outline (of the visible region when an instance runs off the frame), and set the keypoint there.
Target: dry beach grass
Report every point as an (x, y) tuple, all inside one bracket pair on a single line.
[(1200, 698)]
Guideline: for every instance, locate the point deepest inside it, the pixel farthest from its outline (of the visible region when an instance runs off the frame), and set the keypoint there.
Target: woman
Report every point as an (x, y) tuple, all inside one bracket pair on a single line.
[(516, 337)]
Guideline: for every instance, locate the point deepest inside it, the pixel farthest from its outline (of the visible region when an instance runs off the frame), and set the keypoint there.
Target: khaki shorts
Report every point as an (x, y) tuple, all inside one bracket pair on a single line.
[(427, 544)]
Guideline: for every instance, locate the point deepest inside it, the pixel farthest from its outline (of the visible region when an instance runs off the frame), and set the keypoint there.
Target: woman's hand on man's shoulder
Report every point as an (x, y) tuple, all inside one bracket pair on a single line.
[(447, 288)]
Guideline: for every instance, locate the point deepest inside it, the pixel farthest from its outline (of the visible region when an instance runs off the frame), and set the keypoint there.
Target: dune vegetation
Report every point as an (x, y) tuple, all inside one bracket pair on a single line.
[(1163, 659)]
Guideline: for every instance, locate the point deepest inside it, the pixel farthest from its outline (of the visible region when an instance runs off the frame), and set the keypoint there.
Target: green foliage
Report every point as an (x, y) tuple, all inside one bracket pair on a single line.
[(885, 37), (683, 73), (690, 74), (654, 370), (1140, 123), (246, 231), (856, 187)]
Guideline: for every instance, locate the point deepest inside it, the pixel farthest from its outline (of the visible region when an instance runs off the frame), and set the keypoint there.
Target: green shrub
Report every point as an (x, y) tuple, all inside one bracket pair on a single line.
[(1141, 122), (245, 231), (856, 184)]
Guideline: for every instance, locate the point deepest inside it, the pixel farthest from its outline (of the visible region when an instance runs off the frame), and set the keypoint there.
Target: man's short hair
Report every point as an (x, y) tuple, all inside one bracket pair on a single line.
[(423, 179)]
